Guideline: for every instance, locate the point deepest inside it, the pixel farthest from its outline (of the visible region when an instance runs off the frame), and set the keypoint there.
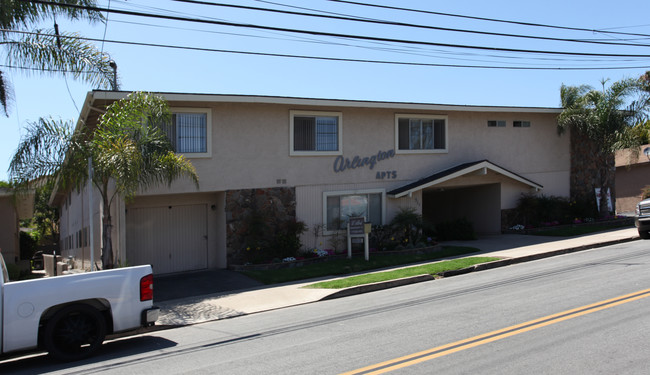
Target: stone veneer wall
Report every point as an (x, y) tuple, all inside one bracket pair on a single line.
[(585, 174), (276, 204)]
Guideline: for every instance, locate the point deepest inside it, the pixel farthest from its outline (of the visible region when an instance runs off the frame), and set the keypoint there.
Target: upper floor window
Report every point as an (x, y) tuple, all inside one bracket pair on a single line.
[(521, 124), (496, 123), (189, 131), (315, 133), (421, 133)]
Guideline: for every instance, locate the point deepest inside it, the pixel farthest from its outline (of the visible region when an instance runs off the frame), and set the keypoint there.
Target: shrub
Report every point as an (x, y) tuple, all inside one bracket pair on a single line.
[(405, 230), (269, 238), (286, 242)]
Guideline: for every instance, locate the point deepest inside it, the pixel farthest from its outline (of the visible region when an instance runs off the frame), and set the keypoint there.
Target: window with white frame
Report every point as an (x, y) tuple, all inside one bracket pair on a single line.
[(339, 207), (421, 133), (315, 133), (189, 131)]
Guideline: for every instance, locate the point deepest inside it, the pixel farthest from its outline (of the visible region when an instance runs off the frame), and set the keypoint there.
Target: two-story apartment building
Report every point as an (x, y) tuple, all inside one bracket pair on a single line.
[(321, 160)]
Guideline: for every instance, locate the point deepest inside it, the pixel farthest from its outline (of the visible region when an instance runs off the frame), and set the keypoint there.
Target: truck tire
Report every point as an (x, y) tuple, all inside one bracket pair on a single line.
[(645, 234), (74, 332)]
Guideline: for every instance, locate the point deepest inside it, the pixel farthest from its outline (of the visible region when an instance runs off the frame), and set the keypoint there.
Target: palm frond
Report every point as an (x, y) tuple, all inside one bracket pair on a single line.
[(83, 60), (131, 148), (6, 93), (16, 14), (41, 150)]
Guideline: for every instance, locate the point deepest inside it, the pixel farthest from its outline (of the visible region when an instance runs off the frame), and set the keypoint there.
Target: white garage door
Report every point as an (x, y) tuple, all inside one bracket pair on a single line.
[(170, 238)]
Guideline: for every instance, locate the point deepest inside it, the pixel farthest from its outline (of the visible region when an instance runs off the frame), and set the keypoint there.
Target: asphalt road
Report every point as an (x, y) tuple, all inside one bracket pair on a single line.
[(561, 315)]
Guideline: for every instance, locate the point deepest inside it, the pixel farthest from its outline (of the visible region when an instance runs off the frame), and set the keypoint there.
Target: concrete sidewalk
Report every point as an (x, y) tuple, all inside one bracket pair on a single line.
[(513, 248)]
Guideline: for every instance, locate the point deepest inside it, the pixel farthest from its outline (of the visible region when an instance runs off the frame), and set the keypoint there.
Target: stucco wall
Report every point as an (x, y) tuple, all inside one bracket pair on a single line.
[(9, 242), (74, 221), (629, 183), (250, 148)]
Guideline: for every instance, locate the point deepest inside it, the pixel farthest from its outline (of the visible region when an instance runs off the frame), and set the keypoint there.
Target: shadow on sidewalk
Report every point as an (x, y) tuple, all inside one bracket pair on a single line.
[(191, 284)]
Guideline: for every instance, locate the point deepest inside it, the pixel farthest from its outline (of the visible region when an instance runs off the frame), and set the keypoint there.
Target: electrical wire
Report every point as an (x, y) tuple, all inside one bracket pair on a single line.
[(486, 19), (203, 49), (346, 36), (411, 25)]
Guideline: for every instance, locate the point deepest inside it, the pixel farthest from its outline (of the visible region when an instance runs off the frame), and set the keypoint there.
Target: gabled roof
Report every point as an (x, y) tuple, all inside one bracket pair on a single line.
[(458, 171)]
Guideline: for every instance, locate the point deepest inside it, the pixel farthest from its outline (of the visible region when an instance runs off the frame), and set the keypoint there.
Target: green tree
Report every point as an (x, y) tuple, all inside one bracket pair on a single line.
[(129, 151), (48, 51), (46, 218), (604, 118)]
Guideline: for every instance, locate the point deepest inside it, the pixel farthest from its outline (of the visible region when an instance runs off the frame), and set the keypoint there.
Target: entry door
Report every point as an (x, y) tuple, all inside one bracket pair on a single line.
[(170, 238)]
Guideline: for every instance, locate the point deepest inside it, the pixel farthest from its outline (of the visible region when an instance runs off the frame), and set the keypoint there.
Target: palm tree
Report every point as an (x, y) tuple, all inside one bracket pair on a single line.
[(48, 51), (128, 149), (603, 119)]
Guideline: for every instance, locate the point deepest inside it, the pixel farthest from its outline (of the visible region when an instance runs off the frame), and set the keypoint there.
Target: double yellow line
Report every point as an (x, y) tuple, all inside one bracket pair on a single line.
[(427, 355)]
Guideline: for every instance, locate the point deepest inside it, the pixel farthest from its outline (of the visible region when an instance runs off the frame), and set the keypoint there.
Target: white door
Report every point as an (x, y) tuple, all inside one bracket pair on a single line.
[(170, 238)]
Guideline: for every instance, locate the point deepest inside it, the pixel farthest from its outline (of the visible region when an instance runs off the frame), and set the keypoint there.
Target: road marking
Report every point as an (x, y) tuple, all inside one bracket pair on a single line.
[(427, 355)]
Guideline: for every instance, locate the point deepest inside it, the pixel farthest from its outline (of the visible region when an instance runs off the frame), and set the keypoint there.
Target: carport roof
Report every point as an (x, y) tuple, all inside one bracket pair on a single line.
[(458, 171)]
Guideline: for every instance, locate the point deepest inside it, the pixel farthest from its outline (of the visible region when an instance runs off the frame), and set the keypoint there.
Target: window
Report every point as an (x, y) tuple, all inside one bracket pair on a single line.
[(421, 133), (189, 131), (315, 133), (340, 206), (521, 124), (496, 123)]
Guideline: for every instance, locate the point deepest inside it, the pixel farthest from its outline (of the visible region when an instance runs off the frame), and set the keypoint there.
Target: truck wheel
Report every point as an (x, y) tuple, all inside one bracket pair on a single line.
[(644, 234), (74, 333)]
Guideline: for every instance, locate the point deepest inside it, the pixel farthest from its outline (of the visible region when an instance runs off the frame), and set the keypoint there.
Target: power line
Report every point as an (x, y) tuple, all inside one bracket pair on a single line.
[(487, 19), (337, 59), (337, 35), (409, 51), (411, 25)]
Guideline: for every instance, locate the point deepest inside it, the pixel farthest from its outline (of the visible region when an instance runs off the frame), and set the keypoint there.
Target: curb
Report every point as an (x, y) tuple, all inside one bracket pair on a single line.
[(479, 267), (366, 288)]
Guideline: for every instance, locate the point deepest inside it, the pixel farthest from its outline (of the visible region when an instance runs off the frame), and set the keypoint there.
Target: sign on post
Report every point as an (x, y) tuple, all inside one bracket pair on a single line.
[(357, 227)]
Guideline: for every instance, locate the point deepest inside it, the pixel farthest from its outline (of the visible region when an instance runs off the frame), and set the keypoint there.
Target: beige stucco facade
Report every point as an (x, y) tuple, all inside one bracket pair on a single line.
[(12, 209), (250, 147), (632, 176)]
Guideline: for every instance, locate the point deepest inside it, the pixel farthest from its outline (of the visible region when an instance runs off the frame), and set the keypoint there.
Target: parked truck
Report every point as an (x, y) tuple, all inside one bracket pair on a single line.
[(69, 316)]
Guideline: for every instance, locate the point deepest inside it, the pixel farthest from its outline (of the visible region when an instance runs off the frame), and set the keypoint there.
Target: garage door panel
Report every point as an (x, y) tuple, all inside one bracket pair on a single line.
[(171, 238)]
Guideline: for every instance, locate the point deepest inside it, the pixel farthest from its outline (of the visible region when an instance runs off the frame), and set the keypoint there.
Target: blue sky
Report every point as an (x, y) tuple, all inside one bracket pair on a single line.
[(177, 70)]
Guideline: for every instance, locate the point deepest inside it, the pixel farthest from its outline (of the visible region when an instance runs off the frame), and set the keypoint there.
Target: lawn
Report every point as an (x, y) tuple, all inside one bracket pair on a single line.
[(354, 265), (425, 269)]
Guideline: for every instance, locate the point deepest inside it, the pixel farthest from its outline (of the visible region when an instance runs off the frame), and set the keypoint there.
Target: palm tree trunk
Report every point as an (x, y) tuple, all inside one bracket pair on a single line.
[(107, 243)]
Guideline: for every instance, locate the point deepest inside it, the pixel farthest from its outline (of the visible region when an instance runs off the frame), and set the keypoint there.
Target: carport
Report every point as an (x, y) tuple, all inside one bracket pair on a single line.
[(473, 191)]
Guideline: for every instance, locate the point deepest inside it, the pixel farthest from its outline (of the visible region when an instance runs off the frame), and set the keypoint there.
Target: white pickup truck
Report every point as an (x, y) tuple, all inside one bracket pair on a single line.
[(70, 315)]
